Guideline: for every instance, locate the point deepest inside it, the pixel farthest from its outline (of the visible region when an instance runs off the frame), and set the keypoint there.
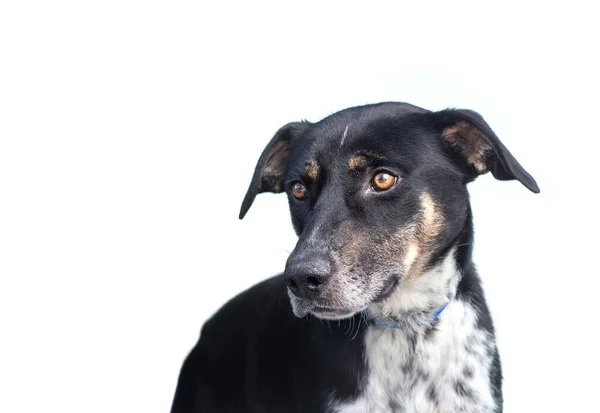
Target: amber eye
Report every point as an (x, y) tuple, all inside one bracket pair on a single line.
[(383, 181), (298, 190)]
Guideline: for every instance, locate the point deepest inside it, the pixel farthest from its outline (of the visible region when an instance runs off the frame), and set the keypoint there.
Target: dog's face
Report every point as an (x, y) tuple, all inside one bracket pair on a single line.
[(377, 195)]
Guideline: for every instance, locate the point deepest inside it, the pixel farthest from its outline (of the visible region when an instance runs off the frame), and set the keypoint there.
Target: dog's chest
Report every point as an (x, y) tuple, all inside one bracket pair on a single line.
[(446, 371)]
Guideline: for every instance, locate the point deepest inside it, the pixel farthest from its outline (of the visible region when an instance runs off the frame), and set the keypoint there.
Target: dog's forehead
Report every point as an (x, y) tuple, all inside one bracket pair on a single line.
[(340, 138)]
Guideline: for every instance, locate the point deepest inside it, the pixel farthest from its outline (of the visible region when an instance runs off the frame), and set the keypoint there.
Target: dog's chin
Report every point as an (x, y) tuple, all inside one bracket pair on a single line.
[(332, 314), (302, 308)]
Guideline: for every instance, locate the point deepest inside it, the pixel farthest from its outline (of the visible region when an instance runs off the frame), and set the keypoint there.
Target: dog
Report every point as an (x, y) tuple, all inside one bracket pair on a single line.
[(380, 308)]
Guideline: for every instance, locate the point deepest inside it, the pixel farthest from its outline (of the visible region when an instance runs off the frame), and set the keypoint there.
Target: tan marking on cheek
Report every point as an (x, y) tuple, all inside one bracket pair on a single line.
[(428, 228), (312, 170), (357, 162), (411, 256), (431, 221), (417, 263), (403, 248)]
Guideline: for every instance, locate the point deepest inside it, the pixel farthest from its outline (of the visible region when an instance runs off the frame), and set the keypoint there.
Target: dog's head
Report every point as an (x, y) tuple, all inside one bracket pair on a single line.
[(377, 195)]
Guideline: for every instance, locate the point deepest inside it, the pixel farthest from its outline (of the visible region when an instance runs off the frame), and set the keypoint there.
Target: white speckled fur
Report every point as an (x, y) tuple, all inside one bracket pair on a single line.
[(413, 372)]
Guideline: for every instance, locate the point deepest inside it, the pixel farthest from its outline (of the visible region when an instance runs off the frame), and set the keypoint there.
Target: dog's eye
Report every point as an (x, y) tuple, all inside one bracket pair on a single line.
[(383, 181), (298, 190)]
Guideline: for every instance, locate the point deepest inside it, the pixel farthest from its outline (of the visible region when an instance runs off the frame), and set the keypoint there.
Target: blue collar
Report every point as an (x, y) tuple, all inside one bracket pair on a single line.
[(433, 317)]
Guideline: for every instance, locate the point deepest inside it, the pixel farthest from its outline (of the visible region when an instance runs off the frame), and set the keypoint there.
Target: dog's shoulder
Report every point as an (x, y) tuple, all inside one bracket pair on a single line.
[(216, 366), (244, 318), (251, 308), (254, 346), (259, 324)]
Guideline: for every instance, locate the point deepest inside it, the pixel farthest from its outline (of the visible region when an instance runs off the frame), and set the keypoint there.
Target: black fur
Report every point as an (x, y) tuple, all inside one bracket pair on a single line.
[(256, 356)]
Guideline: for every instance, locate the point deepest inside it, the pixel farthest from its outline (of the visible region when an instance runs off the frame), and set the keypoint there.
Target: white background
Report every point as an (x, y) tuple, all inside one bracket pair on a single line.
[(129, 132)]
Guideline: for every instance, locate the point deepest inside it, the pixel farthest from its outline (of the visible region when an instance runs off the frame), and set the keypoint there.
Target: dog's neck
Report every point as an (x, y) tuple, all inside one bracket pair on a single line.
[(412, 306)]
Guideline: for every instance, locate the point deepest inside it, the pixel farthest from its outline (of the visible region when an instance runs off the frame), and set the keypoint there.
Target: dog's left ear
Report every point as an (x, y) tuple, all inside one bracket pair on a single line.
[(270, 169), (478, 149)]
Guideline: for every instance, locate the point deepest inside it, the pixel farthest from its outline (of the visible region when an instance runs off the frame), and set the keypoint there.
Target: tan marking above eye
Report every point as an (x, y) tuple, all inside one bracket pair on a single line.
[(357, 162), (383, 181), (311, 169), (298, 190)]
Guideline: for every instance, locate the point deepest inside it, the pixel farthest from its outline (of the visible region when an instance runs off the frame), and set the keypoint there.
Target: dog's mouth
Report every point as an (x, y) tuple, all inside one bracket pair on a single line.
[(302, 308), (328, 313), (324, 310)]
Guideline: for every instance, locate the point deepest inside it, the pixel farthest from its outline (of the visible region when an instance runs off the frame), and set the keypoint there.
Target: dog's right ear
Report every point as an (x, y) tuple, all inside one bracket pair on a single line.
[(479, 150), (270, 169)]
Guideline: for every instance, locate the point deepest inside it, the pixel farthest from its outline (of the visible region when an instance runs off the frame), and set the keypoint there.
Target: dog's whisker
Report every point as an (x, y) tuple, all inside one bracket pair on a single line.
[(358, 327)]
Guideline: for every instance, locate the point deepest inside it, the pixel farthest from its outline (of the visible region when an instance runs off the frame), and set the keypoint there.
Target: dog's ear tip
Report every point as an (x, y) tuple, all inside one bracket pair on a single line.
[(529, 182), (531, 185), (243, 210), (247, 202)]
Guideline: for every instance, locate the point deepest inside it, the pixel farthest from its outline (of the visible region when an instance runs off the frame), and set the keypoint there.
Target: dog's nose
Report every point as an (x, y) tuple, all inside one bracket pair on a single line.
[(305, 278)]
